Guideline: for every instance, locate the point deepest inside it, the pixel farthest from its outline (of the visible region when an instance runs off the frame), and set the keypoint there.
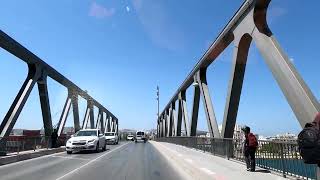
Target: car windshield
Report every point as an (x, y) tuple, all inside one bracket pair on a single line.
[(130, 135), (86, 133), (140, 133), (110, 134)]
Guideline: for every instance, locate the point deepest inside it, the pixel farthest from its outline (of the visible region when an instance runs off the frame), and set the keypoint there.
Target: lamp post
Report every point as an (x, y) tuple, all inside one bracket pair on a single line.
[(158, 99)]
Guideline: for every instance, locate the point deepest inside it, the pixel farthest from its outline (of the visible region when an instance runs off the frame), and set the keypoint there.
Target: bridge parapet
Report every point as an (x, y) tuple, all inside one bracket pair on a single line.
[(278, 156)]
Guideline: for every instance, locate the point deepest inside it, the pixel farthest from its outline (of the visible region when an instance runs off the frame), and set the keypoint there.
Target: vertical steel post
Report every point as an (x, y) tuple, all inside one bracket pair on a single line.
[(102, 121), (75, 108), (179, 120), (45, 105), (91, 114), (195, 111), (170, 122)]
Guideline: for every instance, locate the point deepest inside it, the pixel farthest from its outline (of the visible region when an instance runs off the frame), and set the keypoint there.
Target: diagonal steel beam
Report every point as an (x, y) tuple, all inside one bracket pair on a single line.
[(241, 50), (64, 115), (16, 107)]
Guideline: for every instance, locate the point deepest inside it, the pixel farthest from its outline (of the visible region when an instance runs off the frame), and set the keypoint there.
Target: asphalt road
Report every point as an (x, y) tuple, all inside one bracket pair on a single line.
[(126, 161)]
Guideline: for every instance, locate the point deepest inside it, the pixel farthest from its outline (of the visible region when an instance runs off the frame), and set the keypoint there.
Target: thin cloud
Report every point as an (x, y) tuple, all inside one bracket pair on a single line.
[(128, 8), (158, 25), (99, 11)]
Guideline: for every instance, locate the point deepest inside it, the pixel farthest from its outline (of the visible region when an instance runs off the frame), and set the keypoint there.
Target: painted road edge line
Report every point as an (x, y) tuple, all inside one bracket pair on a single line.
[(90, 162)]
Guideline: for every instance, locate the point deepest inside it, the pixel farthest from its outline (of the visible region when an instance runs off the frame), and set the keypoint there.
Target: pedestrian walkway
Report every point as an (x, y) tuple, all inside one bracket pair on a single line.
[(200, 165)]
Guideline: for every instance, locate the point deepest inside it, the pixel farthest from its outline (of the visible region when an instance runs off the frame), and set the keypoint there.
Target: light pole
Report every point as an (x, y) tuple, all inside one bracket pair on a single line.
[(158, 99)]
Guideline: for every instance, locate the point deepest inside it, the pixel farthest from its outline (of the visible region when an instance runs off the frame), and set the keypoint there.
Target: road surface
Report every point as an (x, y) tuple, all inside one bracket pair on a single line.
[(131, 161)]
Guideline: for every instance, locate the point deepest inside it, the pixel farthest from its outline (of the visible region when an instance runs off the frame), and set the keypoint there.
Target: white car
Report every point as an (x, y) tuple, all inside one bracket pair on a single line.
[(130, 137), (111, 137), (86, 140), (141, 136)]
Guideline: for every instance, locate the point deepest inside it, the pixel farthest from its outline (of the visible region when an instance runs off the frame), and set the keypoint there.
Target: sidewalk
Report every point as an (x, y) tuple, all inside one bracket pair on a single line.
[(201, 166), (24, 155)]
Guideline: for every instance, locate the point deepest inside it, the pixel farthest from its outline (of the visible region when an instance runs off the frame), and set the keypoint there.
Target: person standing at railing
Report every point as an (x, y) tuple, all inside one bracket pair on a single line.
[(309, 142), (250, 147), (54, 137)]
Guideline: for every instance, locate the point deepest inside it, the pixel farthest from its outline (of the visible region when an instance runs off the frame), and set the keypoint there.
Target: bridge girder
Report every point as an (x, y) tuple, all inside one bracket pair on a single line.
[(248, 24)]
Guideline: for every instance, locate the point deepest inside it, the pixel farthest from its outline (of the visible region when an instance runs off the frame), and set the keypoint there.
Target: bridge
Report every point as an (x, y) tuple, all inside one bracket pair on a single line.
[(175, 152)]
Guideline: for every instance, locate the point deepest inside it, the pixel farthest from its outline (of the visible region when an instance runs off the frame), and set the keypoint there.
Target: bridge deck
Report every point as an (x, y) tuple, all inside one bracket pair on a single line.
[(153, 160)]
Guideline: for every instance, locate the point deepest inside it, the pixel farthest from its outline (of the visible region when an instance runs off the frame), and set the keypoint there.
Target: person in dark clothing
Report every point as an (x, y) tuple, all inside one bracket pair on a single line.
[(250, 147), (54, 137)]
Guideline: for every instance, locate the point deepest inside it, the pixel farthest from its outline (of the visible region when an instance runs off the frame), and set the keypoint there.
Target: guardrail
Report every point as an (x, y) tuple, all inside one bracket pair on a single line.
[(280, 157), (17, 144)]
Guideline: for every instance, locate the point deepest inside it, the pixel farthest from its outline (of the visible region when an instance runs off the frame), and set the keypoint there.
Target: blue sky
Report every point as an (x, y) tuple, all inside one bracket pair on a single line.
[(120, 50)]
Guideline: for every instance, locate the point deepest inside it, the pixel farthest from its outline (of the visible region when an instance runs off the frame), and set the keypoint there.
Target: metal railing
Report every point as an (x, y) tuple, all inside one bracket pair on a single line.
[(280, 157), (17, 144)]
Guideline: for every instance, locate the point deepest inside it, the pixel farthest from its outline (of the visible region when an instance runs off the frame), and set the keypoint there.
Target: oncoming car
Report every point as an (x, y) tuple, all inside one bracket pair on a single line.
[(140, 136), (86, 140)]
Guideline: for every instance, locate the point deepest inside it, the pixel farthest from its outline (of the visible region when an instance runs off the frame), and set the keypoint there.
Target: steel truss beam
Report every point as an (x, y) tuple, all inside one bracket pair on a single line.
[(38, 71), (249, 23)]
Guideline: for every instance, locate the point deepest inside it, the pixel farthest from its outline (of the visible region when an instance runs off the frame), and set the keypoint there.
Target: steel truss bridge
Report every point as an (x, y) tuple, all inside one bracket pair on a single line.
[(163, 159)]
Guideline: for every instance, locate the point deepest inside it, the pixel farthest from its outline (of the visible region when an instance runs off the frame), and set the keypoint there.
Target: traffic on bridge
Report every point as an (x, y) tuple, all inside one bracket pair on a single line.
[(103, 60)]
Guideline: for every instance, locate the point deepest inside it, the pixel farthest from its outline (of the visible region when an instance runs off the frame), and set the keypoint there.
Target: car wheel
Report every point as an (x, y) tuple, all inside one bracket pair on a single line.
[(69, 152), (104, 147), (97, 148)]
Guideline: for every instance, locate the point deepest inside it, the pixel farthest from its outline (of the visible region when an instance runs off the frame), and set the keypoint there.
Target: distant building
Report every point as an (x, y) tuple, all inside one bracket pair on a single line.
[(287, 137), (237, 134)]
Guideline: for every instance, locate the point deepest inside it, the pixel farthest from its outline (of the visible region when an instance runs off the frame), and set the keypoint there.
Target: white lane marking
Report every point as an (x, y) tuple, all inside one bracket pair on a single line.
[(207, 171), (90, 162), (64, 157), (188, 160)]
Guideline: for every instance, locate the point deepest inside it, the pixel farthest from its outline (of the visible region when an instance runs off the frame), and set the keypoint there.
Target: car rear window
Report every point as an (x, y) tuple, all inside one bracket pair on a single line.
[(87, 133), (140, 133)]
